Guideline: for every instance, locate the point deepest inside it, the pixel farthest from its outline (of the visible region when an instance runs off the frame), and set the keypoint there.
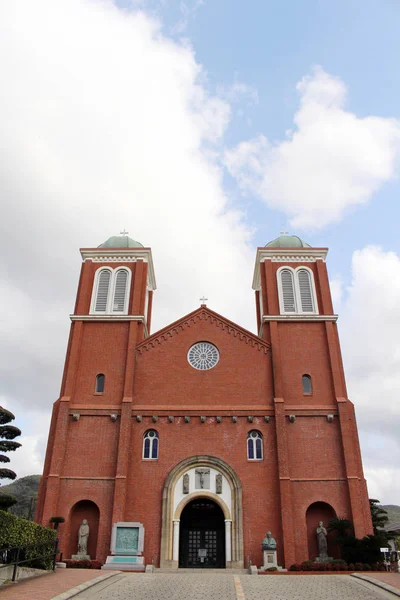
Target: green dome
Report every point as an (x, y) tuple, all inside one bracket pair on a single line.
[(120, 241), (287, 241)]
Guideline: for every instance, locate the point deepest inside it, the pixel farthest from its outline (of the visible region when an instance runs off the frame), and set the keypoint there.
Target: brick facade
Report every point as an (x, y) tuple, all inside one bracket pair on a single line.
[(311, 467)]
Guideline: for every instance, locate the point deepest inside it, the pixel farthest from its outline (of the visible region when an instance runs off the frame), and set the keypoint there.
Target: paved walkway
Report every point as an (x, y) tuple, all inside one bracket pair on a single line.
[(49, 585), (213, 586), (200, 586)]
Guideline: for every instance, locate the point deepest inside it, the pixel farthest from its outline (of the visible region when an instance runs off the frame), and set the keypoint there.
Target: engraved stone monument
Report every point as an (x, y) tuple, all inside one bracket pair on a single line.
[(127, 543)]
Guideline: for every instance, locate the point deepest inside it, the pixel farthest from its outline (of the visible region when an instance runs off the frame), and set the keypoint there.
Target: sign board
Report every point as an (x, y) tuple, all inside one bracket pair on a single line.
[(384, 549)]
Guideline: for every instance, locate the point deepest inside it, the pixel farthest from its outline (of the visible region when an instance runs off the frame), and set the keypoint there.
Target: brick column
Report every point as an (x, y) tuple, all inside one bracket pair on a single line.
[(282, 451)]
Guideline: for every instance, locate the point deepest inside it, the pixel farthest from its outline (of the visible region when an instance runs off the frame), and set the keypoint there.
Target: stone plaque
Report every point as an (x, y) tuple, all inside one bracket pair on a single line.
[(127, 540)]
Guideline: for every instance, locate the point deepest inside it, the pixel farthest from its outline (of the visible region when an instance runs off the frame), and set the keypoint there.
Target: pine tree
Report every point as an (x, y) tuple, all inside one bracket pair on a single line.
[(7, 435), (379, 516)]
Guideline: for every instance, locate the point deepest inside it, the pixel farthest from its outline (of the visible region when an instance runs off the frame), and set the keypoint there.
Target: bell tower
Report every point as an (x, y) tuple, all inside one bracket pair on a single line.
[(317, 440), (112, 315)]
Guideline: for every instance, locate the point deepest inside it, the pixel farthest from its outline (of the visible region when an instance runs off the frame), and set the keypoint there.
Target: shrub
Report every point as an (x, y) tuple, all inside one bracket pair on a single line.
[(359, 566), (15, 531), (272, 569), (89, 564)]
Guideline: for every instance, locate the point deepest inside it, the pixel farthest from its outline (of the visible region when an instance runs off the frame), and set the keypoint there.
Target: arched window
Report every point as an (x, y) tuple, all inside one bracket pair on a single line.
[(307, 385), (111, 291), (100, 381), (296, 291), (150, 444), (254, 445), (120, 289), (306, 295), (102, 290), (288, 291)]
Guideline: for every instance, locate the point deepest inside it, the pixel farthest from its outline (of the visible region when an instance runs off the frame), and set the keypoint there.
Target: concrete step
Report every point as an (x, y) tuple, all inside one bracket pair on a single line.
[(205, 571)]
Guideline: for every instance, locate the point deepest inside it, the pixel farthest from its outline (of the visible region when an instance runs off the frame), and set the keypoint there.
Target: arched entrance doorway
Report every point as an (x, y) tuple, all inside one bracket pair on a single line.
[(202, 535), (205, 478)]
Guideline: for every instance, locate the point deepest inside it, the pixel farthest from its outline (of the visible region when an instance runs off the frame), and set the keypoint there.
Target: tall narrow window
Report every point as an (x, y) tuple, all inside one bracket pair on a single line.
[(306, 295), (119, 299), (288, 292), (103, 286), (150, 444), (254, 445), (100, 381), (307, 385)]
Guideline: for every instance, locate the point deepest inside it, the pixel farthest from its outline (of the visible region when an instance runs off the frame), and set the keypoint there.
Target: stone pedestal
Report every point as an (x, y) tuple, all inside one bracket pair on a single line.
[(127, 542), (80, 557), (323, 559), (270, 559)]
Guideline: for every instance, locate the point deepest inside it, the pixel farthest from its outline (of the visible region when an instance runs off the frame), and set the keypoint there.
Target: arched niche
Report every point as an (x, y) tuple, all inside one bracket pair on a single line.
[(316, 512), (84, 509)]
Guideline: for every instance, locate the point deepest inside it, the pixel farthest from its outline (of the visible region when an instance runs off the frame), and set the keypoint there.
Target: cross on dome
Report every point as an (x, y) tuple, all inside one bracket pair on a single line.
[(124, 232), (203, 301)]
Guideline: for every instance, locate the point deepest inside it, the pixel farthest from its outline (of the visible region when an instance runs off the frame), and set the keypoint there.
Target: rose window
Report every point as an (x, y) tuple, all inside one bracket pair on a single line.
[(203, 356)]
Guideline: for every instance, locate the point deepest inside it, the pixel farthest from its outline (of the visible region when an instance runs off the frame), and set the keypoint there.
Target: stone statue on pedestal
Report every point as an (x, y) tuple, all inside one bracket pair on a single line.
[(322, 541), (269, 552), (83, 536), (268, 542)]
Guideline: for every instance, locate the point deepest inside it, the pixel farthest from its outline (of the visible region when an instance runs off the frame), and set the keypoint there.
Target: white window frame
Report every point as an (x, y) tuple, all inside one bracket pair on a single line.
[(111, 291), (127, 290), (259, 437), (297, 297), (145, 436)]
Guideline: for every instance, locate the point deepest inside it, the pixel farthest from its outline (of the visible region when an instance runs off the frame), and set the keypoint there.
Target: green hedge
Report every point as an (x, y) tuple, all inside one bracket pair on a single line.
[(15, 531)]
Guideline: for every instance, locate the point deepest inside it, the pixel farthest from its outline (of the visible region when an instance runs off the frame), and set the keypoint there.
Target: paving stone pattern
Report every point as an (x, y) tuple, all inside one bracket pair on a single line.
[(212, 586)]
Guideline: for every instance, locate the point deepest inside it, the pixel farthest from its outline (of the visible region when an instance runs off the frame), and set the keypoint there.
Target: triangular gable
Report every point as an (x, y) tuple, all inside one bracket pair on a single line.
[(203, 314)]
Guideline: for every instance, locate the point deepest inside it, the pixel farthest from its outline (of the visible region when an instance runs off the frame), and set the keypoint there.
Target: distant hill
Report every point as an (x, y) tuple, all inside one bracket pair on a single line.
[(24, 490), (393, 512)]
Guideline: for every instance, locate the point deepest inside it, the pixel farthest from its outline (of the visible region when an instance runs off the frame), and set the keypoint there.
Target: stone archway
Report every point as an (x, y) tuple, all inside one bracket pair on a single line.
[(181, 487)]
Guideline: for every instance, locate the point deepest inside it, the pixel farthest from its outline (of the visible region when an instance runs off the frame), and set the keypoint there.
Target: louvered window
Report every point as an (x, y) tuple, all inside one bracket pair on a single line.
[(119, 299), (103, 287), (306, 295), (288, 293)]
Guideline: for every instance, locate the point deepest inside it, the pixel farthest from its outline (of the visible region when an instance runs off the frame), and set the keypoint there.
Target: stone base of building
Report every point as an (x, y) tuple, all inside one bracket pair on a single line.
[(80, 557), (124, 563)]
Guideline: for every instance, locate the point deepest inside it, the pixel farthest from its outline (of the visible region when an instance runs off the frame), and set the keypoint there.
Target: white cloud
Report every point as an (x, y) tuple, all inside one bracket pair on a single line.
[(331, 162), (106, 123), (370, 335)]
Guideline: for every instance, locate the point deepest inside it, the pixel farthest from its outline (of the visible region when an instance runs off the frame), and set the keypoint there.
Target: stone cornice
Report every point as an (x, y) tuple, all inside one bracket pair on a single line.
[(111, 319), (308, 318), (122, 255), (286, 255), (203, 314)]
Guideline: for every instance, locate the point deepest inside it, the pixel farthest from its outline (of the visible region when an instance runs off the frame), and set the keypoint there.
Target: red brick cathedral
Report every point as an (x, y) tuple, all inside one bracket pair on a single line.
[(203, 432)]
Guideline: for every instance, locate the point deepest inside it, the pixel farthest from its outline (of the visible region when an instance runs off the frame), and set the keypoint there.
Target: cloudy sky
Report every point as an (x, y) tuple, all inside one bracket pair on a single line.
[(202, 127)]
